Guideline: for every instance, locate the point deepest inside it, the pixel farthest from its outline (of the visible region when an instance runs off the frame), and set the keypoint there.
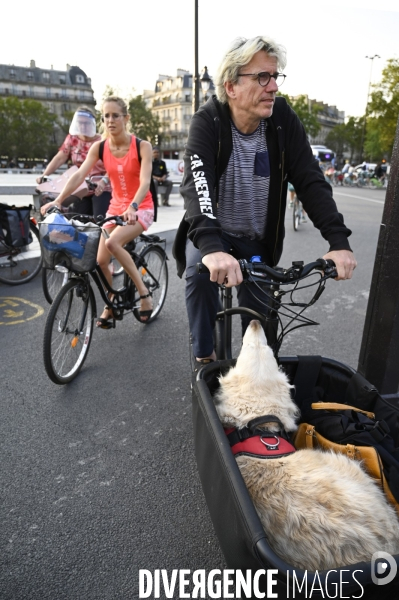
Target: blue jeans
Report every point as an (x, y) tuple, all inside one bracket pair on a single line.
[(202, 294)]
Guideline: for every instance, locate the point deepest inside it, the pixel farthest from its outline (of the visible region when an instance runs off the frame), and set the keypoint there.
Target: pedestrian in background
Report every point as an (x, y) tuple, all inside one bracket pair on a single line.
[(160, 176)]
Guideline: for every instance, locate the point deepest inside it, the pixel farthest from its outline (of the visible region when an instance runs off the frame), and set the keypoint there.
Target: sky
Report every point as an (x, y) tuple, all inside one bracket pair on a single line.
[(127, 44)]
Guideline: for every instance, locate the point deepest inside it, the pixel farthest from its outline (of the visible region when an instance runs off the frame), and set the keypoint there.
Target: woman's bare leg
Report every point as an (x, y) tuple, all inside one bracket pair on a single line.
[(114, 245)]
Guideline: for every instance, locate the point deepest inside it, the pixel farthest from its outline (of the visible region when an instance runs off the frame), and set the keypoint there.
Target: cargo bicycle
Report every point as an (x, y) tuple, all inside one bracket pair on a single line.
[(70, 321), (242, 538)]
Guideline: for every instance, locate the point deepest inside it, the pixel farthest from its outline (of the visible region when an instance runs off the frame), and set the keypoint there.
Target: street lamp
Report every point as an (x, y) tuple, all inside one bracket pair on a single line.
[(195, 74), (205, 82), (368, 94)]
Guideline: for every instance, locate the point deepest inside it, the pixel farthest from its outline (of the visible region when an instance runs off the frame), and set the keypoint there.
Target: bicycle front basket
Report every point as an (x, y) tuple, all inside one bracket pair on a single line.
[(73, 242)]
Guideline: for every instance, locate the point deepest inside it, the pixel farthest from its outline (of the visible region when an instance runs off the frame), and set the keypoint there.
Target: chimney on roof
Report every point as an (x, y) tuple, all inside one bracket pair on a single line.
[(32, 64), (68, 67)]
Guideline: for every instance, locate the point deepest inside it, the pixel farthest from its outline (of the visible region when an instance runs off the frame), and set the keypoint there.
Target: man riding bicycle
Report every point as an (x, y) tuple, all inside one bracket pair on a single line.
[(244, 145)]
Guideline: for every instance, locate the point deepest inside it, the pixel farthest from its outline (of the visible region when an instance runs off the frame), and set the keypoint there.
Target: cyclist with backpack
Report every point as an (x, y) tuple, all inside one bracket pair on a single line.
[(128, 163)]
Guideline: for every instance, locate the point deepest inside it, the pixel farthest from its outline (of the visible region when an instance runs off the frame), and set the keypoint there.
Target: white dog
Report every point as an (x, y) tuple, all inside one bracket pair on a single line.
[(320, 510)]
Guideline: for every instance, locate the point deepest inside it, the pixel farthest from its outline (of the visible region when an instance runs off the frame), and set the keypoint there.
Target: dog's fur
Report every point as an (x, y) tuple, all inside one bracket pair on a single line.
[(320, 510)]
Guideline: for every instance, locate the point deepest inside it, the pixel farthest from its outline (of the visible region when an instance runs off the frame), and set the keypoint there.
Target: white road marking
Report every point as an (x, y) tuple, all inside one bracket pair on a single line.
[(359, 197)]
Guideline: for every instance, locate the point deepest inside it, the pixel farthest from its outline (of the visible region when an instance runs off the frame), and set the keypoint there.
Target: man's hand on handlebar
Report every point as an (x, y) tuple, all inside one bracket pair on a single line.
[(345, 263), (223, 268)]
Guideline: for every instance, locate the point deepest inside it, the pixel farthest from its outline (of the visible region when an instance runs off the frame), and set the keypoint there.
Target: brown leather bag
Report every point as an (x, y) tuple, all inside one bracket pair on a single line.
[(307, 437)]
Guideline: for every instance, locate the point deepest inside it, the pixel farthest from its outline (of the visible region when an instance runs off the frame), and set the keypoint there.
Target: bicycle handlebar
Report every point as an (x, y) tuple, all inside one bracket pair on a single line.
[(261, 272), (116, 218)]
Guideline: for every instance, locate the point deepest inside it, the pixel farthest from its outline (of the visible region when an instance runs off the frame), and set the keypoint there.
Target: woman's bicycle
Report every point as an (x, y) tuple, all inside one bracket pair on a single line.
[(20, 257), (280, 315), (70, 321)]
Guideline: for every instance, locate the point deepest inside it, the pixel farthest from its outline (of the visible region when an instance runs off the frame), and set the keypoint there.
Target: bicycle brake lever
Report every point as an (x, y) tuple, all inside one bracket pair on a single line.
[(53, 209)]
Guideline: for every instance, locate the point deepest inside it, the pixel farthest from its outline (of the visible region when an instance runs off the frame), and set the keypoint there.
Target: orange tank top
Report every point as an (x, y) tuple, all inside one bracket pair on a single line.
[(124, 174)]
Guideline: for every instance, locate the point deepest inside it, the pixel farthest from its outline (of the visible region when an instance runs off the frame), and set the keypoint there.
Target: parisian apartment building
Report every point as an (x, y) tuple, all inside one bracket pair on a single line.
[(60, 91), (172, 100), (328, 117)]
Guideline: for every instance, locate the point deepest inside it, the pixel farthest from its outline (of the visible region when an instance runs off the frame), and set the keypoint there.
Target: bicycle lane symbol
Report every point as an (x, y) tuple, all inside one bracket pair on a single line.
[(17, 310)]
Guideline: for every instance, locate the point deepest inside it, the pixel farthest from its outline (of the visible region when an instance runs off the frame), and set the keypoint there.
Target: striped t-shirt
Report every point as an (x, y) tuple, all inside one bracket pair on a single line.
[(244, 186)]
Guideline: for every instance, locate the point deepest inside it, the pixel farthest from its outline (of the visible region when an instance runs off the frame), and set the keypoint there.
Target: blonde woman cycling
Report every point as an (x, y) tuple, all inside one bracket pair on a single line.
[(130, 176)]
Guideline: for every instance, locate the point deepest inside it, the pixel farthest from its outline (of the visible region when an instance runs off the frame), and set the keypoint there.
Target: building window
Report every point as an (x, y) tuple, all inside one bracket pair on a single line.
[(48, 92), (29, 76), (46, 76), (62, 79), (12, 74), (188, 99), (80, 79)]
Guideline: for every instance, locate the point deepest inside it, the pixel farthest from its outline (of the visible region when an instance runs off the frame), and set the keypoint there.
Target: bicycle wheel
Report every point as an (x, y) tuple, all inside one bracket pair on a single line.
[(154, 271), (20, 265), (52, 282), (296, 214), (68, 331)]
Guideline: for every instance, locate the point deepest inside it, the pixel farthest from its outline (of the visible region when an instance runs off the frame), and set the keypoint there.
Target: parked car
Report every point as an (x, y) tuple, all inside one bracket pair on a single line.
[(371, 167), (323, 153)]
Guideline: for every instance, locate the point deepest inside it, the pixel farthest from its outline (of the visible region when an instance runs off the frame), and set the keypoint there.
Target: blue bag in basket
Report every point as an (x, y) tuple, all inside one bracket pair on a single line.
[(62, 236)]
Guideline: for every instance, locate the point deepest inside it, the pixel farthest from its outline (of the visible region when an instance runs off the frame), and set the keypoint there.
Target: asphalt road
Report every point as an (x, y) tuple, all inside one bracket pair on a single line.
[(98, 478)]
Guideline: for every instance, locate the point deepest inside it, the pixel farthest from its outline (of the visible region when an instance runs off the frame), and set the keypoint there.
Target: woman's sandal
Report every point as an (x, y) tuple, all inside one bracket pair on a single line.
[(145, 313), (102, 323)]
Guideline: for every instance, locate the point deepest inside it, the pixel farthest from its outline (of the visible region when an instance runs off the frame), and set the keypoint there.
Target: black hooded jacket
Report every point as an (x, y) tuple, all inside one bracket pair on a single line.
[(207, 154)]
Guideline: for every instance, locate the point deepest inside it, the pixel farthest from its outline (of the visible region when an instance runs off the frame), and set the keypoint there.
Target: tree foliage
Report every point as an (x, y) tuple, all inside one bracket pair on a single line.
[(26, 129), (383, 112), (307, 113), (144, 124), (347, 137)]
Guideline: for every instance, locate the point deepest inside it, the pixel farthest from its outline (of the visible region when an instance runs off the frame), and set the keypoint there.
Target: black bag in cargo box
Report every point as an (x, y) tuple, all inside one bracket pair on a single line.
[(242, 538), (14, 225)]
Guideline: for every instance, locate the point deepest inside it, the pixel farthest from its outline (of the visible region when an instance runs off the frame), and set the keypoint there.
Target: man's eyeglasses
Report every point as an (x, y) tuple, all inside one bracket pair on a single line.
[(264, 78), (114, 116)]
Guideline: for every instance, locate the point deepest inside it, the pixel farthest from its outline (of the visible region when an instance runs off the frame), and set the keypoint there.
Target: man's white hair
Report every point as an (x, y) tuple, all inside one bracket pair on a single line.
[(239, 54)]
